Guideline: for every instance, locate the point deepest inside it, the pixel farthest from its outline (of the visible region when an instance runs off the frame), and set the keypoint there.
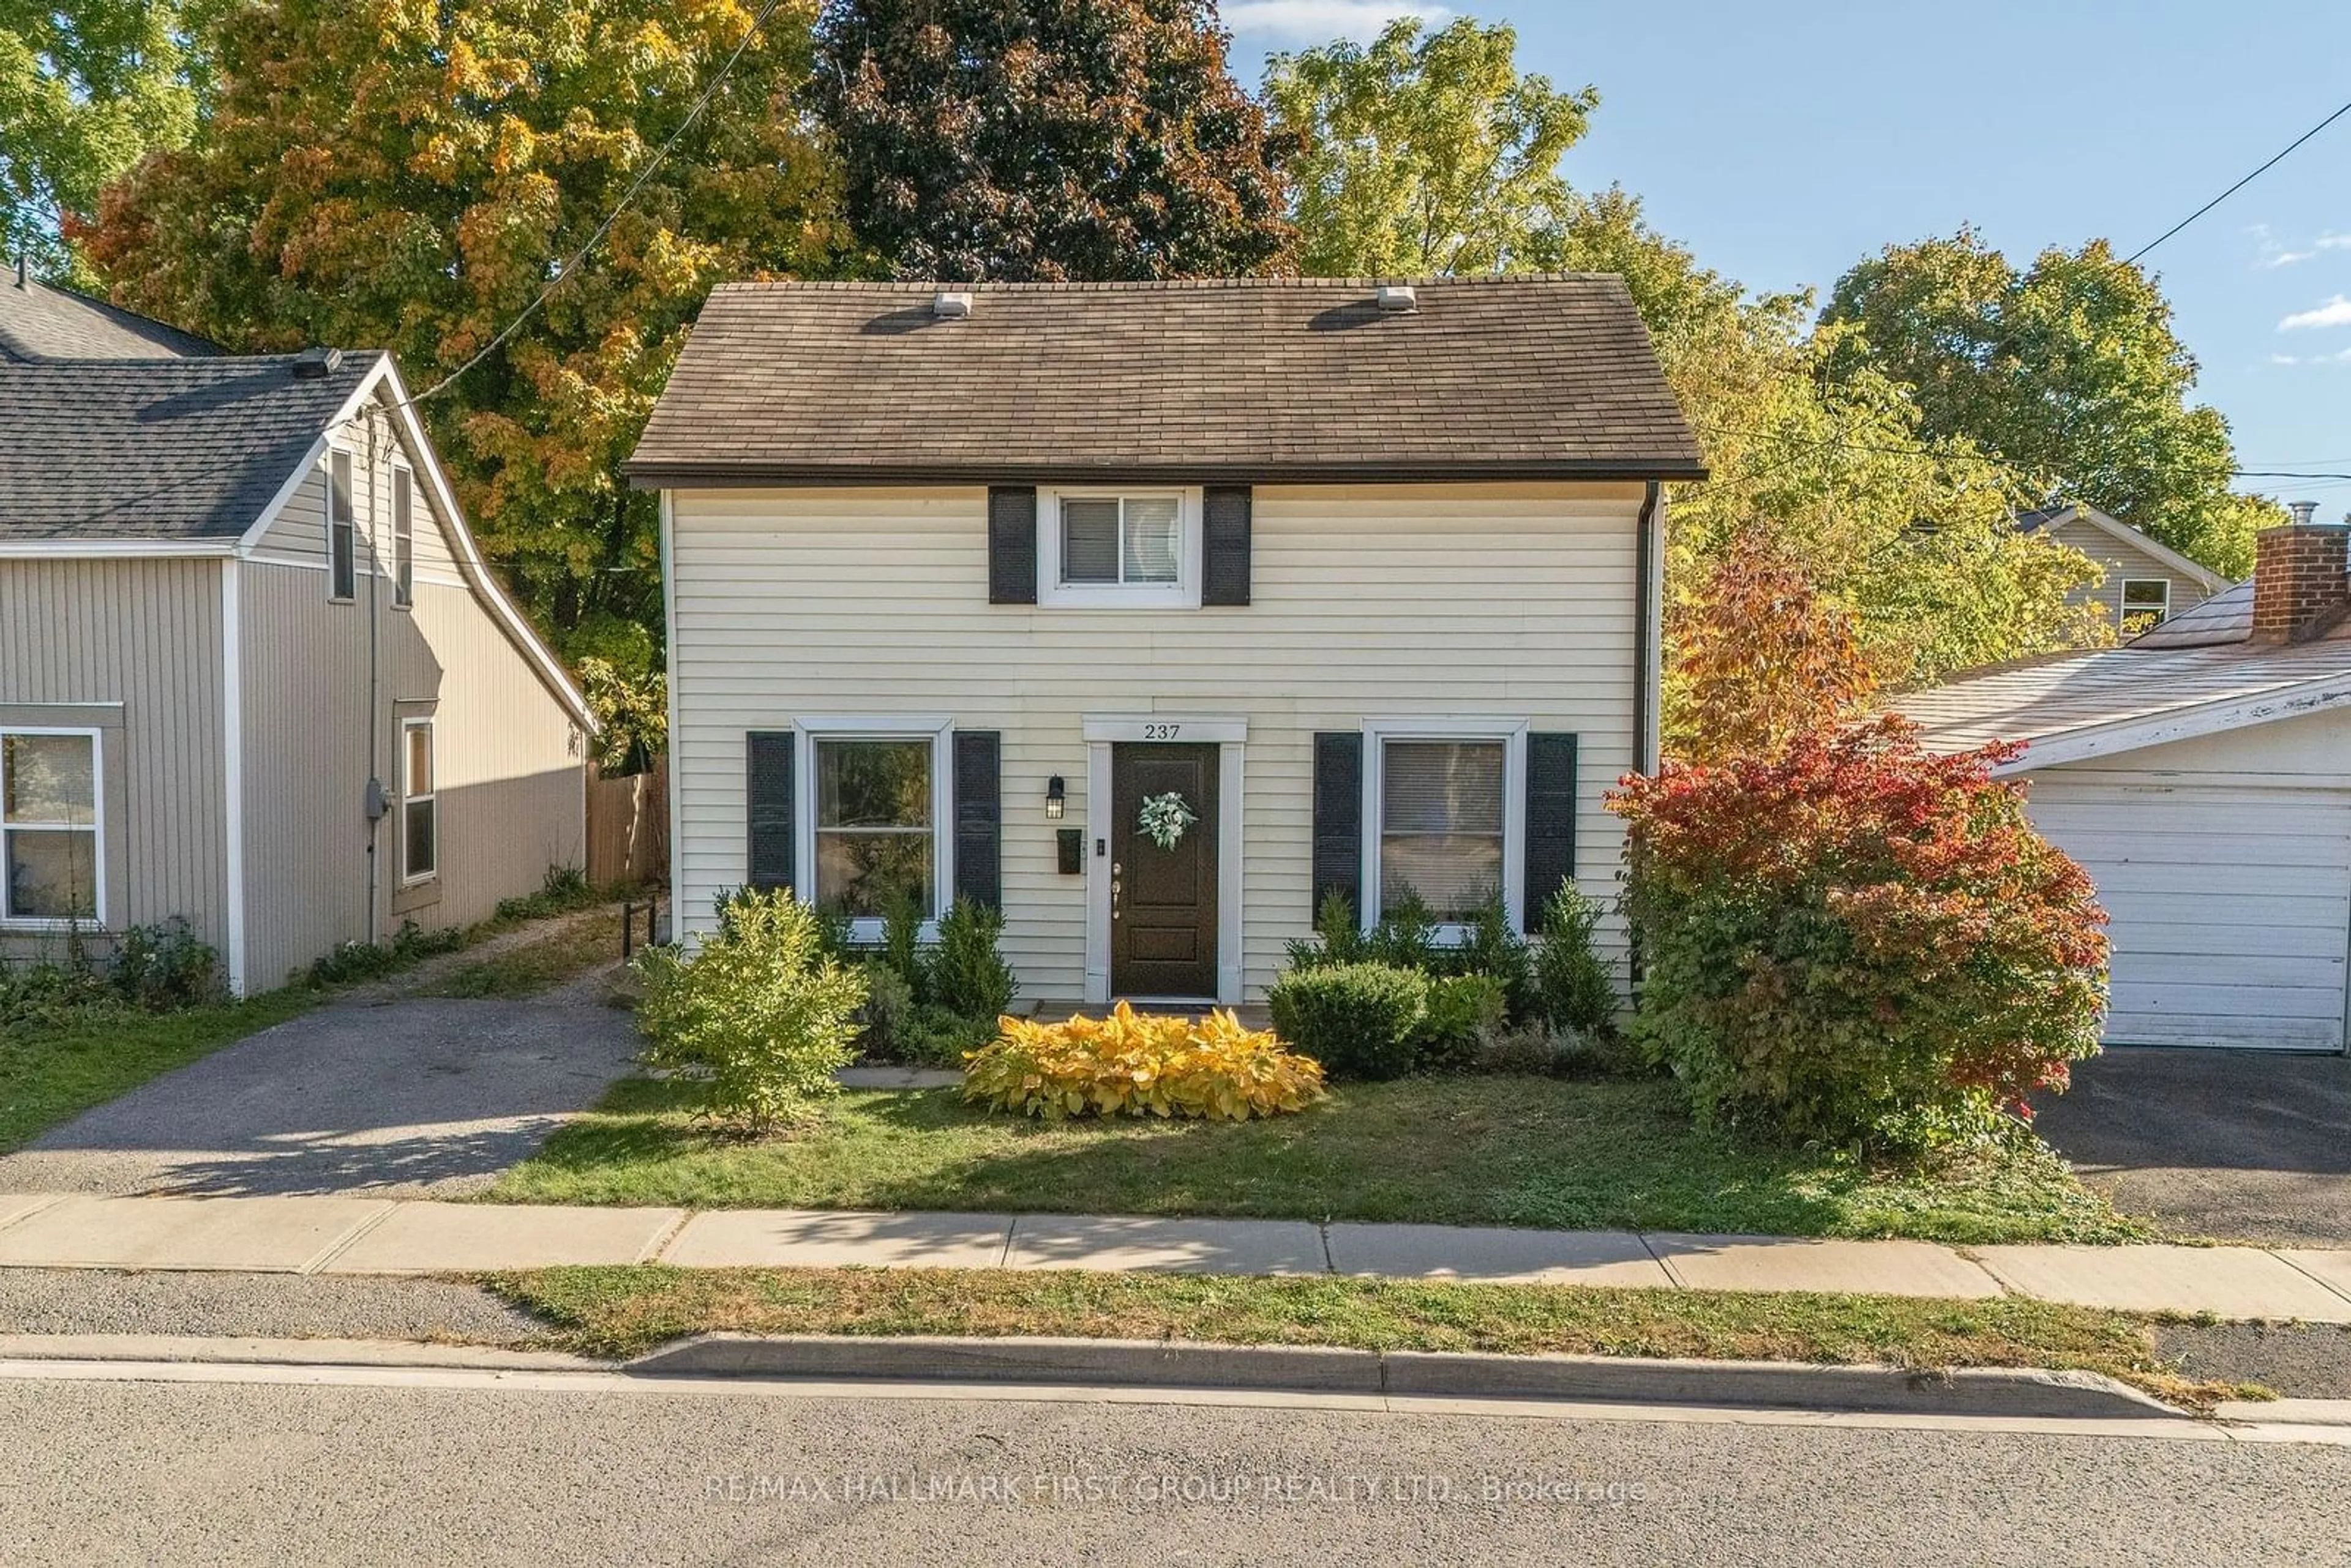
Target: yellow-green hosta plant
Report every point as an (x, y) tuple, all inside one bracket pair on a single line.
[(1140, 1064)]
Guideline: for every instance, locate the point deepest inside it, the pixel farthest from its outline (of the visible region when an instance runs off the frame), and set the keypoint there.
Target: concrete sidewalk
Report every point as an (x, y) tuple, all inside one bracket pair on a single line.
[(313, 1235)]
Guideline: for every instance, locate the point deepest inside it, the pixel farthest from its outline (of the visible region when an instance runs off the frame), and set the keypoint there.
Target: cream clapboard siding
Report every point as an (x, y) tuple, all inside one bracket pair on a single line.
[(2122, 560), (146, 634), (2226, 864), (1512, 601), (511, 765)]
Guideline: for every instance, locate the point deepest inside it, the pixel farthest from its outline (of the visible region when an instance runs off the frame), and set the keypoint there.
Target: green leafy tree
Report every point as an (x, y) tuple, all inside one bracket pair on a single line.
[(1048, 139), (393, 174), (2067, 370), (1907, 534), (1425, 152), (85, 89)]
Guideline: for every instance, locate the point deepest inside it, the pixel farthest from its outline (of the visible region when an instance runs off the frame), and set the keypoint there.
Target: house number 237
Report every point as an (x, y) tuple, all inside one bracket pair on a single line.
[(1161, 731)]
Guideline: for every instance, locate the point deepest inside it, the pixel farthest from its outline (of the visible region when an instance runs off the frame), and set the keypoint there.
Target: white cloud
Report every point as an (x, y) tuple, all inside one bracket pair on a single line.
[(2280, 256), (1318, 21), (2276, 253), (2341, 356), (2335, 312)]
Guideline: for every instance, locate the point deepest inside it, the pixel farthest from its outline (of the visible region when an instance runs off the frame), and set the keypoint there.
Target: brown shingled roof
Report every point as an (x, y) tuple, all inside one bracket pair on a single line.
[(1254, 380)]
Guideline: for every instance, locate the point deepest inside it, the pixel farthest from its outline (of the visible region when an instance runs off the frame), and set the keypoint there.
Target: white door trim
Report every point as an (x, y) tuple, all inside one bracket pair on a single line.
[(1229, 736)]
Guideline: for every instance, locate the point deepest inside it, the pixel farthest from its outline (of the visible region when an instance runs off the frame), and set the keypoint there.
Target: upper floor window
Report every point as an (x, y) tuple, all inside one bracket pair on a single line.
[(404, 535), (2145, 604), (1138, 550), (50, 845), (342, 548)]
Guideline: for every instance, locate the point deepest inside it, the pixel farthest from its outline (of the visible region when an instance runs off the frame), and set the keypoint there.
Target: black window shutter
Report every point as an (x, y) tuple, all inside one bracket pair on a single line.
[(771, 782), (1551, 820), (1339, 818), (979, 817), (1011, 545), (1224, 544)]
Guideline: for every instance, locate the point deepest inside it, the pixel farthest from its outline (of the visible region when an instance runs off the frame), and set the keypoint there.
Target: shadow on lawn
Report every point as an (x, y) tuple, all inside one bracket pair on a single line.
[(1525, 1152)]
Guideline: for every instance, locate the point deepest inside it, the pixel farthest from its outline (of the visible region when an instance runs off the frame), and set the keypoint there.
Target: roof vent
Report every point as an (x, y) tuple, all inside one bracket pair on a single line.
[(1397, 296), (951, 304), (316, 364)]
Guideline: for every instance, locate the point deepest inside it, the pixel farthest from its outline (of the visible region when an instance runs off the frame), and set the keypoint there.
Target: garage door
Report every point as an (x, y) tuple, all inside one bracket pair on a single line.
[(2231, 906)]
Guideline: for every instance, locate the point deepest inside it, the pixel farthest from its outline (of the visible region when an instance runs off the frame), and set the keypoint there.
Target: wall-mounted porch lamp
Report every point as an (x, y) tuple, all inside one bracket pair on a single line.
[(1056, 795)]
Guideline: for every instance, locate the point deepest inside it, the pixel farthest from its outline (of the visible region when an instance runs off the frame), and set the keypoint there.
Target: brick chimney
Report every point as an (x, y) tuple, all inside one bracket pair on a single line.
[(2302, 579)]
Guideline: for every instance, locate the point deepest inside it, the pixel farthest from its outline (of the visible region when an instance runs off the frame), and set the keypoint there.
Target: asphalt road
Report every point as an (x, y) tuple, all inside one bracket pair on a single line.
[(117, 1472)]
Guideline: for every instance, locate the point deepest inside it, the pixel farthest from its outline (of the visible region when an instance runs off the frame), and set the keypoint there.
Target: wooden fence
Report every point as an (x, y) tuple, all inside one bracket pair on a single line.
[(628, 827)]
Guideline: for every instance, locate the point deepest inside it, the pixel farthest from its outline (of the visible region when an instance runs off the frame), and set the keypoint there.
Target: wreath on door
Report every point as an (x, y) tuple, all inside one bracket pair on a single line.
[(1164, 818)]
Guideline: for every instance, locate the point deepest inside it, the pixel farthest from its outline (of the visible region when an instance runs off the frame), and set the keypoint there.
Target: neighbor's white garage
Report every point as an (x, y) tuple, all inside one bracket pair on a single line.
[(2225, 862)]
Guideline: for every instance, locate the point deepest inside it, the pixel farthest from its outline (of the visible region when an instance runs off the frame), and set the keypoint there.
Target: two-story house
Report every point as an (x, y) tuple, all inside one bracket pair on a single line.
[(255, 672), (1155, 612)]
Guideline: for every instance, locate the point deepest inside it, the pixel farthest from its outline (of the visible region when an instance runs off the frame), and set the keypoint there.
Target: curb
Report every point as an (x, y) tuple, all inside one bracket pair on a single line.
[(264, 1351), (2024, 1394)]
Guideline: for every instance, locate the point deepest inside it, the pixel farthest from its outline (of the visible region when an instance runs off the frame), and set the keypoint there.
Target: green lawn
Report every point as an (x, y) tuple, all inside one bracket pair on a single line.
[(1534, 1152), (47, 1077), (621, 1312)]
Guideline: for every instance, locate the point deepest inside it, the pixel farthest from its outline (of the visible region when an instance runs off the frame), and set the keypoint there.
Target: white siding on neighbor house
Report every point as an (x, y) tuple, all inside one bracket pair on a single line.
[(510, 765), (145, 634), (1516, 602), (2225, 862), (2124, 561)]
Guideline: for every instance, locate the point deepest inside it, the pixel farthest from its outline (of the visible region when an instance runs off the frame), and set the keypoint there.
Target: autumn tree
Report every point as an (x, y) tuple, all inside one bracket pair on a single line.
[(2067, 369), (1908, 534), (1425, 152), (85, 90), (1760, 657), (1047, 138), (390, 174)]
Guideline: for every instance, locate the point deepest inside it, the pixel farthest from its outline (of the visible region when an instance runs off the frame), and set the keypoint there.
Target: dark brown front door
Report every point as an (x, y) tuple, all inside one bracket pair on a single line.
[(1163, 903)]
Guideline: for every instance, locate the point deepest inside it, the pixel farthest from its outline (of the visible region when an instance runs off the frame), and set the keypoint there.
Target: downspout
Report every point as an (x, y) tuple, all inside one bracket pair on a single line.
[(1648, 601), (376, 792)]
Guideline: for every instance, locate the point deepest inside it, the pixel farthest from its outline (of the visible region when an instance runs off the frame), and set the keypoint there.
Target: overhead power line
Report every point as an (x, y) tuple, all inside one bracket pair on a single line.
[(2239, 185), (627, 196)]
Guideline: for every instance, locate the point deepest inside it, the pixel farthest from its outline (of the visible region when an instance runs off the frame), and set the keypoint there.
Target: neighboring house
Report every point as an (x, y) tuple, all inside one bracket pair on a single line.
[(253, 671), (1366, 582), (2146, 583), (2203, 777)]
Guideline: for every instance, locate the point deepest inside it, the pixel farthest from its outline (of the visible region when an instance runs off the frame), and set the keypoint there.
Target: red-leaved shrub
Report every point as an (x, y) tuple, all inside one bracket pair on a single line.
[(1850, 938)]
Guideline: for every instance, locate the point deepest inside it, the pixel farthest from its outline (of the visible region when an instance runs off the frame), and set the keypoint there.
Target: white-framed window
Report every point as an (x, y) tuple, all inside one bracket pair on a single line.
[(342, 542), (404, 535), (52, 834), (1133, 549), (2145, 604), (873, 818), (420, 803), (1444, 816)]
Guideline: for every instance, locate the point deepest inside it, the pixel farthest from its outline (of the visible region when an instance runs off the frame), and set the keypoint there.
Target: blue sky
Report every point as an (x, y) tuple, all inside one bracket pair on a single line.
[(1784, 142)]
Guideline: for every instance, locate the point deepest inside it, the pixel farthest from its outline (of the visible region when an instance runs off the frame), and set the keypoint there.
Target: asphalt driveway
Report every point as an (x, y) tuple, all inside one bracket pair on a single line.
[(2241, 1145), (416, 1097)]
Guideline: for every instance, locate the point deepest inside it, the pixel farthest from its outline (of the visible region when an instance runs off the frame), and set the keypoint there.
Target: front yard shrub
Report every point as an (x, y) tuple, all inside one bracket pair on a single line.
[(1461, 1011), (1492, 946), (1854, 940), (887, 1015), (968, 974), (1358, 1020), (1574, 986), (164, 967), (1337, 938), (902, 943), (760, 1008), (1406, 938), (1141, 1064)]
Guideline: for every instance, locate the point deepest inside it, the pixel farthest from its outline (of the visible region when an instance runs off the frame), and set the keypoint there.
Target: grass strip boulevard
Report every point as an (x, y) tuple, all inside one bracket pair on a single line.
[(1525, 1151), (618, 1311)]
